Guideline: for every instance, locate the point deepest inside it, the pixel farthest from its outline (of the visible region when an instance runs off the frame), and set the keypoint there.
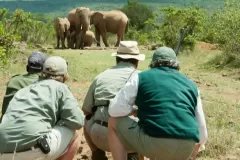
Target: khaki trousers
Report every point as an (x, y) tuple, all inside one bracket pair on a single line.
[(58, 139), (136, 140)]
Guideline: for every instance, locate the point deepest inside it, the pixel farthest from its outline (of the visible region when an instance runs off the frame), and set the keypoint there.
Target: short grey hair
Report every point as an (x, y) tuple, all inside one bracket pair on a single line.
[(167, 63)]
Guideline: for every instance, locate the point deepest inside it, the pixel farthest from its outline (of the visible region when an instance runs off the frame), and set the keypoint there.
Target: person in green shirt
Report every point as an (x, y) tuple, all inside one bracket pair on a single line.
[(171, 118), (104, 88), (34, 67), (44, 112)]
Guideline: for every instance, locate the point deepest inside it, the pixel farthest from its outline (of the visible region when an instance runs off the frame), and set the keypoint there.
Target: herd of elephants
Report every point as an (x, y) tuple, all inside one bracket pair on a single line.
[(76, 27)]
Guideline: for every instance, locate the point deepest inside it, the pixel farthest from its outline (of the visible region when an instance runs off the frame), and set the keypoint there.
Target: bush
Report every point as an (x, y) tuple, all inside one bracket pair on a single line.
[(222, 28), (22, 26), (6, 38), (191, 19), (137, 13)]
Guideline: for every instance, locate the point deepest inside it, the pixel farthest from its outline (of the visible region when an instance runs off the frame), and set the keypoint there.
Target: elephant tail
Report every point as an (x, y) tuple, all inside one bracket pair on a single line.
[(127, 25)]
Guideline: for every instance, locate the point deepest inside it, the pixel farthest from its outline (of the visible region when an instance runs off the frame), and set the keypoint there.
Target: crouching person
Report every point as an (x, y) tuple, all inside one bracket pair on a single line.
[(104, 88), (171, 119), (43, 119)]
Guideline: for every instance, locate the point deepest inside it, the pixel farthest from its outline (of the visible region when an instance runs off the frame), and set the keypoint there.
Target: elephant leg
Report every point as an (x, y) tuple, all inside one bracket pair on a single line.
[(68, 39), (62, 41), (118, 39), (97, 37), (77, 44), (104, 37), (58, 42), (82, 39)]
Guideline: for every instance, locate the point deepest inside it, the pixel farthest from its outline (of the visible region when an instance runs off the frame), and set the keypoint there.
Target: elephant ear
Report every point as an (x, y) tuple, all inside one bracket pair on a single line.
[(97, 17)]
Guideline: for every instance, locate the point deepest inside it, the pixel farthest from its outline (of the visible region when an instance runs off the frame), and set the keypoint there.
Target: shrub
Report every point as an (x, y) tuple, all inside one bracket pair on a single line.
[(191, 19), (137, 13), (222, 28), (22, 26)]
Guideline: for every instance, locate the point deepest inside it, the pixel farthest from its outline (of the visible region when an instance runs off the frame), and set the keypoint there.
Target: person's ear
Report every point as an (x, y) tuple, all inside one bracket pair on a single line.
[(65, 77), (137, 62), (27, 68)]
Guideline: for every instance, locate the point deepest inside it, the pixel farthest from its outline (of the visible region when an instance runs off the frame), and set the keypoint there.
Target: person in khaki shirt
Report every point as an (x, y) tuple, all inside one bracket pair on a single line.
[(45, 113), (34, 68), (104, 88)]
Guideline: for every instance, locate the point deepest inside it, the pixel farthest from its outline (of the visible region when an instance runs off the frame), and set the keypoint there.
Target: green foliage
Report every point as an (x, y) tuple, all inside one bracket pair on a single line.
[(6, 38), (22, 26), (222, 28), (132, 10), (191, 19)]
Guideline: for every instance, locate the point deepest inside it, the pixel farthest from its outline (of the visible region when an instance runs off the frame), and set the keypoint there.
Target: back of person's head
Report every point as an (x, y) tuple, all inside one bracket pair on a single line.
[(56, 68), (128, 51), (166, 57), (35, 62)]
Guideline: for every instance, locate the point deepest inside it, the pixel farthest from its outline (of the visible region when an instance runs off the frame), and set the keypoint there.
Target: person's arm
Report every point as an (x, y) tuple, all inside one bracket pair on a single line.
[(10, 92), (122, 104), (88, 103), (70, 113), (200, 117)]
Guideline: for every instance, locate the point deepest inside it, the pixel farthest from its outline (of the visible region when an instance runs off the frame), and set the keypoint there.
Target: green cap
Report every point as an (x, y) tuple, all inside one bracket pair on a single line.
[(165, 54)]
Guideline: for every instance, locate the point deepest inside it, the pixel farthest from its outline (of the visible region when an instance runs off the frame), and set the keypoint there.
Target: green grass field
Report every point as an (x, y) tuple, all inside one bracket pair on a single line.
[(219, 90)]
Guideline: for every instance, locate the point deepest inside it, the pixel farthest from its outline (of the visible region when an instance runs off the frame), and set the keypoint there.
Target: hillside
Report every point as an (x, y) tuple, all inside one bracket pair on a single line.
[(61, 7)]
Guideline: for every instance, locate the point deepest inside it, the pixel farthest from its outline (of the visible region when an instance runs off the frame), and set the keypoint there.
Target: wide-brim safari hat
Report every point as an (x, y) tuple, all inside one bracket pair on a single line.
[(129, 50)]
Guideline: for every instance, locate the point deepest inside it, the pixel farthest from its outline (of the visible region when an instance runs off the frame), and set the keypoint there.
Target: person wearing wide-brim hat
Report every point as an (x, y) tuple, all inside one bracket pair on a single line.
[(171, 118), (43, 119), (104, 88)]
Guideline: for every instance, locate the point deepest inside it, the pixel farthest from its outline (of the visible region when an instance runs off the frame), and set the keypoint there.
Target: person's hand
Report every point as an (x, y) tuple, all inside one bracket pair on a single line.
[(133, 113), (195, 152)]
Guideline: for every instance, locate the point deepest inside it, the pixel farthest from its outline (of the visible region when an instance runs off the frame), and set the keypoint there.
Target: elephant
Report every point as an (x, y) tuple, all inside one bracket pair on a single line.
[(62, 26), (88, 39), (113, 21), (79, 19)]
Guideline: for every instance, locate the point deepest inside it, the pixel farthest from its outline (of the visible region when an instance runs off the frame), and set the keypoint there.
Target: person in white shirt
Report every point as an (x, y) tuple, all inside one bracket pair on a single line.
[(171, 118)]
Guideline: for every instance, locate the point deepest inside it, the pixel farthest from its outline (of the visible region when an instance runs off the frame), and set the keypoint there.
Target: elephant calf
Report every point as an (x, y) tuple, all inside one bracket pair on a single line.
[(62, 27), (87, 39)]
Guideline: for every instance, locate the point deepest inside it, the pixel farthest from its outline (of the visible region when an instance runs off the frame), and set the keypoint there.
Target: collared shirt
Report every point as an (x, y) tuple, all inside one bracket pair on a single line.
[(35, 110), (105, 86), (16, 83), (122, 105)]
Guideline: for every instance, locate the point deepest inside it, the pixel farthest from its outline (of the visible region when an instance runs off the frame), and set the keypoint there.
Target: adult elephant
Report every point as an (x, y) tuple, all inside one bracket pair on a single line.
[(62, 26), (114, 21), (79, 19)]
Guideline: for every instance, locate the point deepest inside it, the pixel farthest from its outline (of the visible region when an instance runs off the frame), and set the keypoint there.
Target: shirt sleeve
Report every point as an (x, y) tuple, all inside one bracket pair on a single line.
[(122, 104), (88, 103), (201, 121), (70, 113)]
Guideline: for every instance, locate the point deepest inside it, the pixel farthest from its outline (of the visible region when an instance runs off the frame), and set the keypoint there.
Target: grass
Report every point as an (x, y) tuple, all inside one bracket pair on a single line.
[(220, 92)]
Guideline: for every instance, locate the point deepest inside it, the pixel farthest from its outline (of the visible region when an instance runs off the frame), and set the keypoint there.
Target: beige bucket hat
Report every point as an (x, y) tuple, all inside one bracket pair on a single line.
[(129, 49), (55, 65)]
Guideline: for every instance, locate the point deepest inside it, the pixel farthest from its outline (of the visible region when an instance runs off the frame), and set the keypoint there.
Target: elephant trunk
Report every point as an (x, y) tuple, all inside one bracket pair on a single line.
[(61, 30)]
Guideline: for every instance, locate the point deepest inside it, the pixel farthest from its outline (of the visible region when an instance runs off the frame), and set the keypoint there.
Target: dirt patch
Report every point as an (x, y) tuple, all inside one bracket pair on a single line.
[(207, 46), (80, 84)]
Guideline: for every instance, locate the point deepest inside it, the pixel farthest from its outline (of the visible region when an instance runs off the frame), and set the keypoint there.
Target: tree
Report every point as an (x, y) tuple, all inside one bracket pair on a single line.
[(137, 13)]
